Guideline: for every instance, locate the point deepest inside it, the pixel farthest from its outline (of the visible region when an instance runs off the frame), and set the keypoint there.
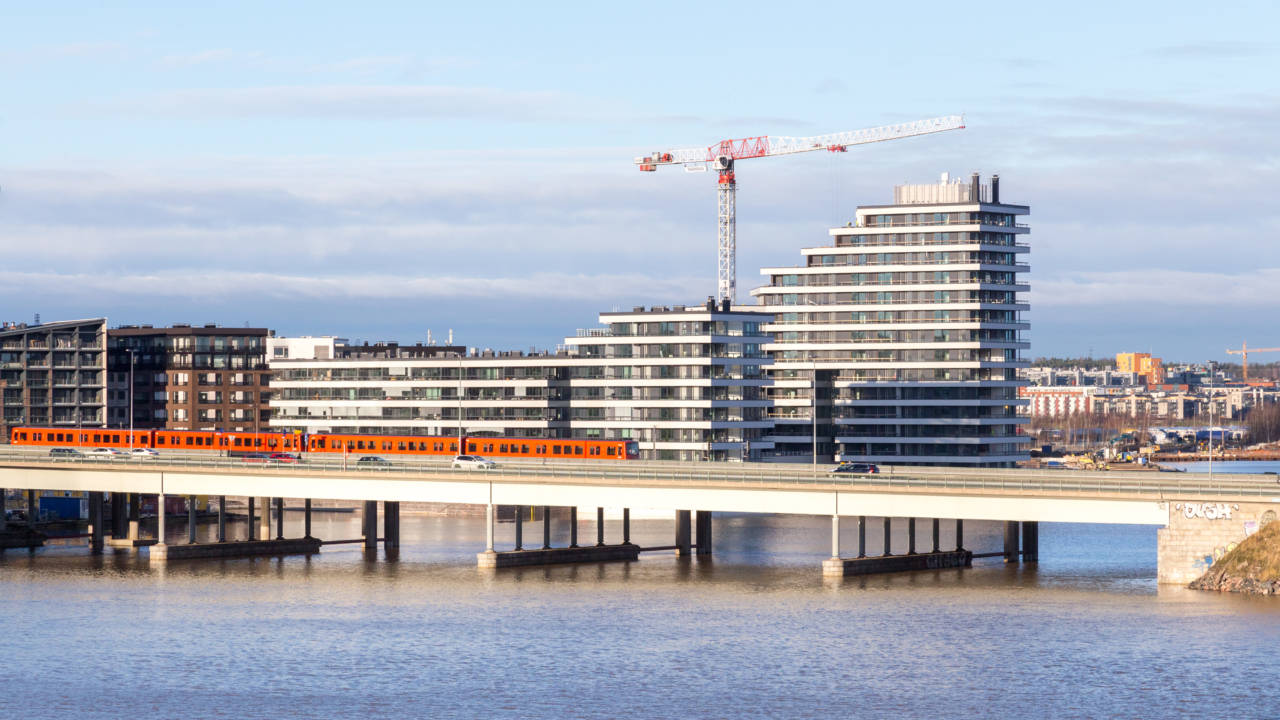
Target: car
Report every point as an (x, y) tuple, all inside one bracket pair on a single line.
[(373, 461), (473, 462), (255, 457), (66, 453), (107, 453), (285, 457), (857, 468), (143, 454)]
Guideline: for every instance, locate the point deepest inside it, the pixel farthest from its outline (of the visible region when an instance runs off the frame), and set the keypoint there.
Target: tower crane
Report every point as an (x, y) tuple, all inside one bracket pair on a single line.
[(722, 156), (1244, 353)]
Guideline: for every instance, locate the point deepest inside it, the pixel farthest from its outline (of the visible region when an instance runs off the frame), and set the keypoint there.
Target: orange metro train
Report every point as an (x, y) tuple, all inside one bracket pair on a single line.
[(237, 442)]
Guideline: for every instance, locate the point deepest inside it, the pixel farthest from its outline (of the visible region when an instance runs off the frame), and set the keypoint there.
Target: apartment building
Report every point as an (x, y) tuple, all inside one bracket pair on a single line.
[(900, 341), (54, 374)]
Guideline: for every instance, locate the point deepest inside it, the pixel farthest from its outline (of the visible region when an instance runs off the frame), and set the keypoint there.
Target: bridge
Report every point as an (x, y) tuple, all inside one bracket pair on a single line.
[(1201, 516)]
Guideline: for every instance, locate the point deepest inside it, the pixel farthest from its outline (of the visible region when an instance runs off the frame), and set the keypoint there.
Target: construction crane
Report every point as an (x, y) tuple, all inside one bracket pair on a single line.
[(725, 153), (1244, 352)]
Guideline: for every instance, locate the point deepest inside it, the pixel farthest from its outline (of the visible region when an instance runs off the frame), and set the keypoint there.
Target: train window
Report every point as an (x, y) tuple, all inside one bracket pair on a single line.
[(235, 442), (502, 447), (97, 438), (488, 447), (577, 450), (400, 445), (609, 451), (595, 450), (524, 449), (160, 440), (555, 449), (453, 447), (39, 436), (439, 447)]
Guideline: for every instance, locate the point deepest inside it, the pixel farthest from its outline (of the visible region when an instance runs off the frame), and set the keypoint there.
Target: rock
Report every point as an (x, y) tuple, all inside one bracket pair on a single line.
[(1252, 568)]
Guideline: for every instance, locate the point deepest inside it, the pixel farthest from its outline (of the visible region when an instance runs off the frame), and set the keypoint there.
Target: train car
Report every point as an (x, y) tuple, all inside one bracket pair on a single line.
[(79, 437), (487, 446)]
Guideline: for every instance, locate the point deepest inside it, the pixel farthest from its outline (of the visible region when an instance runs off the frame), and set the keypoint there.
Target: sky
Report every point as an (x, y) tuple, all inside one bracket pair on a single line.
[(379, 170)]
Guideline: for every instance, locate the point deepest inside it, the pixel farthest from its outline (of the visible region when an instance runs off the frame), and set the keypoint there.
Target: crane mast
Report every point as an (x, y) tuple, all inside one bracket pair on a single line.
[(722, 155)]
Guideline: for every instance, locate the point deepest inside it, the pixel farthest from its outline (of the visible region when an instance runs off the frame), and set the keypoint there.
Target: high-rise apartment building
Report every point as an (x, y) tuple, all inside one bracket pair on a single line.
[(903, 336), (54, 374), (189, 378)]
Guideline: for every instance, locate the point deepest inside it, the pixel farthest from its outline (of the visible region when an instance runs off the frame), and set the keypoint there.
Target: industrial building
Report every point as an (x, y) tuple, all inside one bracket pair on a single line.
[(900, 341)]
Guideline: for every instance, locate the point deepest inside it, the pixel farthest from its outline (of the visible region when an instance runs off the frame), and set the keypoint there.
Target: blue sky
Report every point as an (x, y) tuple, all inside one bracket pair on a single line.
[(375, 171)]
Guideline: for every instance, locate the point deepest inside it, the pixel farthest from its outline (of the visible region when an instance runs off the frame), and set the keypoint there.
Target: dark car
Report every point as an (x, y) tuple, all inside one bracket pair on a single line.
[(66, 453), (373, 461), (255, 457), (859, 468), (285, 457)]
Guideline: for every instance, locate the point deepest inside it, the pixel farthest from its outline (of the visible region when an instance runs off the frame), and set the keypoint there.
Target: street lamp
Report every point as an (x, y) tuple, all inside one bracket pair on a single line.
[(813, 415), (132, 358)]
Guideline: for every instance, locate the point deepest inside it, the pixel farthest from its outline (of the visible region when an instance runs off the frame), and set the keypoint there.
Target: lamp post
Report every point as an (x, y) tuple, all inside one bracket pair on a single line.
[(813, 415), (132, 358)]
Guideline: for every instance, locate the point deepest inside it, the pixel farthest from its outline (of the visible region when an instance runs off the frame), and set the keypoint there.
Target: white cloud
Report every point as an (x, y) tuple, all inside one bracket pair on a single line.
[(1156, 287)]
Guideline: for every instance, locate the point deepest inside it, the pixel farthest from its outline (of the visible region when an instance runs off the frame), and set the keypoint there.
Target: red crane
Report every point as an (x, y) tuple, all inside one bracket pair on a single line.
[(725, 153)]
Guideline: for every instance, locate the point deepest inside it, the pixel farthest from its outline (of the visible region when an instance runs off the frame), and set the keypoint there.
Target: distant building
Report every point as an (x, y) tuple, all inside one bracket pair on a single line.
[(1055, 401), (1151, 369), (54, 374), (189, 378), (908, 330)]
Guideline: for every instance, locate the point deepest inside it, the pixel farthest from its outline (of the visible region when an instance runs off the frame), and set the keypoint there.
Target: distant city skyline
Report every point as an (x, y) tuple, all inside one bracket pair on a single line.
[(375, 176)]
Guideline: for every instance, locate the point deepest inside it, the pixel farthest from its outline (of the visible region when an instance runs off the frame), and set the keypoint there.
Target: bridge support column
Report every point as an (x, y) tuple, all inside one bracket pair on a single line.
[(4, 518), (959, 534), (626, 526), (96, 534), (369, 518), (702, 531), (519, 527), (1031, 542), (835, 537), (599, 527), (119, 516), (888, 542), (160, 519), (573, 526), (33, 508), (1011, 542), (546, 527), (489, 519), (391, 526), (222, 518), (684, 543), (253, 521), (862, 536), (306, 518), (264, 520), (911, 536), (191, 519), (279, 518)]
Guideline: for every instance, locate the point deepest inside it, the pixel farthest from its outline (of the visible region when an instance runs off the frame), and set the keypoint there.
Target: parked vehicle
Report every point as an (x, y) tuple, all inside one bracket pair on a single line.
[(857, 469), (255, 457), (108, 453), (66, 453), (285, 457), (373, 461), (473, 462), (143, 454)]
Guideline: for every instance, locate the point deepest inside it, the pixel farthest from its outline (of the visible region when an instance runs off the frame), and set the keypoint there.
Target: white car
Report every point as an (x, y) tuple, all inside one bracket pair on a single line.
[(473, 462), (108, 453), (143, 454)]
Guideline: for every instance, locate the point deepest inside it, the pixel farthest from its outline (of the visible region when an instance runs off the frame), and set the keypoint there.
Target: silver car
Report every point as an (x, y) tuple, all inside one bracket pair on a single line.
[(473, 462)]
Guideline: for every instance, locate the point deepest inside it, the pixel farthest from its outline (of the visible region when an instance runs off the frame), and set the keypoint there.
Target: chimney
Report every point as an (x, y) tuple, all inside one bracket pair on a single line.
[(995, 188), (974, 189)]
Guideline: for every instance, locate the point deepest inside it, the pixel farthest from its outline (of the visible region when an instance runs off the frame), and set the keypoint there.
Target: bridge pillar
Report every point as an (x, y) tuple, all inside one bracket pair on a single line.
[(835, 537), (264, 520), (937, 535), (191, 519), (862, 536), (888, 549), (1011, 542), (160, 519), (959, 534), (911, 536), (702, 531), (369, 518), (684, 543), (519, 527), (279, 518), (222, 518), (33, 508), (96, 534), (253, 521), (599, 527), (489, 519), (306, 518), (4, 518), (626, 526), (391, 526), (1031, 542), (546, 527), (573, 526), (119, 516)]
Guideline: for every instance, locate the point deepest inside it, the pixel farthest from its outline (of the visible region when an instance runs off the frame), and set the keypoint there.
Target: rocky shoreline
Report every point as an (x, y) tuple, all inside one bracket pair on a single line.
[(1253, 567)]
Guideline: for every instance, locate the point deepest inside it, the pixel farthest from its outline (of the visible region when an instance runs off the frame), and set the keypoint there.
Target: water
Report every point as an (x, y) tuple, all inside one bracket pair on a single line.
[(756, 632)]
